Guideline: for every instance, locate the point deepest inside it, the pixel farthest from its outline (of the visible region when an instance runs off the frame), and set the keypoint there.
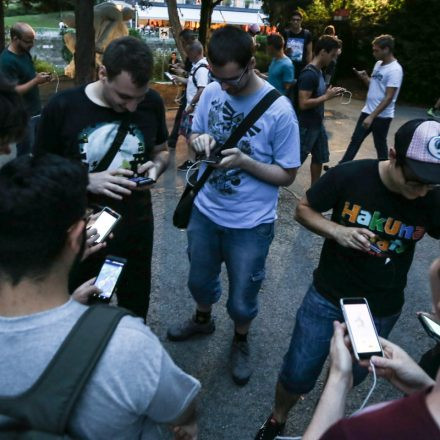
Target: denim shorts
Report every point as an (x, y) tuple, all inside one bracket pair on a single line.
[(244, 253), (314, 141), (310, 343)]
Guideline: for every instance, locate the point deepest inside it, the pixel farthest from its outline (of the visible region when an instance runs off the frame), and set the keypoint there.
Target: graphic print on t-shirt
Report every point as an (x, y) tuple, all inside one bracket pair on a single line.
[(222, 121), (295, 48), (94, 142), (392, 236)]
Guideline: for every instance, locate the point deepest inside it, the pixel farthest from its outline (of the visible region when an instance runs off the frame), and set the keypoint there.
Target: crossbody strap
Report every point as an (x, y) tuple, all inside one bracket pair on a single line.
[(48, 404), (253, 116), (114, 148)]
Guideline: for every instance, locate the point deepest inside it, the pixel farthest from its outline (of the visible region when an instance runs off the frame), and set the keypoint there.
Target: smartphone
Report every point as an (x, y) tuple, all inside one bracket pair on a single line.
[(107, 279), (361, 328), (215, 155), (143, 181), (169, 76), (431, 327), (105, 223)]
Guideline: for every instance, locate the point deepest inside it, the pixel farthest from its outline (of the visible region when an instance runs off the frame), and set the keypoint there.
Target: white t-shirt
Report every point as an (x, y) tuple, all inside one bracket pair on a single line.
[(201, 77), (389, 75), (134, 388)]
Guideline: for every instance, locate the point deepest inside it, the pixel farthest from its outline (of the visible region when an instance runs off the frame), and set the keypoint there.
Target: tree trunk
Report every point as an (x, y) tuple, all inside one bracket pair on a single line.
[(2, 25), (173, 17), (205, 19), (85, 42)]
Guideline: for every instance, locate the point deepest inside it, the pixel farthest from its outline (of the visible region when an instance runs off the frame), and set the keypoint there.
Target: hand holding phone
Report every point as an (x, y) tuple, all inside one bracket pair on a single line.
[(105, 223), (108, 278), (431, 325), (361, 328)]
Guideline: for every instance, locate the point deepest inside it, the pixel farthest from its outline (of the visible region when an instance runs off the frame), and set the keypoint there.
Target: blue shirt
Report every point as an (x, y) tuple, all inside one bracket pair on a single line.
[(281, 71), (234, 198)]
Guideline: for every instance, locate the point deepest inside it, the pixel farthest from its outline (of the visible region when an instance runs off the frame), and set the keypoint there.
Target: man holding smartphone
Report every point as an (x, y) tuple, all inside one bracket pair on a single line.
[(116, 127), (381, 209)]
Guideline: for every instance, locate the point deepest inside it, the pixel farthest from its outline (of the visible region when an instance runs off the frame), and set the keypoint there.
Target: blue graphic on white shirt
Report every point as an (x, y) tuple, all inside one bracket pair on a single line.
[(222, 120)]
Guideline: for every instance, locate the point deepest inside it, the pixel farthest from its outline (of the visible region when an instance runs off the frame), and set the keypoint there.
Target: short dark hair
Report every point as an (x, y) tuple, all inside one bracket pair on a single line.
[(296, 13), (327, 43), (130, 55), (276, 41), (13, 116), (41, 198), (230, 44), (384, 41), (187, 35), (330, 30)]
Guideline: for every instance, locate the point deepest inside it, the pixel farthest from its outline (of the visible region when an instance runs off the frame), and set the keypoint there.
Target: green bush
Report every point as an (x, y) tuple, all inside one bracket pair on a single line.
[(45, 66), (134, 33)]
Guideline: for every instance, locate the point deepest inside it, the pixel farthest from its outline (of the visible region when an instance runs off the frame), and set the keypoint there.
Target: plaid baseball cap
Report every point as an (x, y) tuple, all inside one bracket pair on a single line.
[(417, 142)]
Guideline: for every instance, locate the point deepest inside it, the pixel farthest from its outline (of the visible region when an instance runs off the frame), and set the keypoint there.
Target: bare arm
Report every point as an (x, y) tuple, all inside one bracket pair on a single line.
[(40, 78), (306, 102), (309, 54), (355, 238), (389, 95), (196, 98), (434, 277), (331, 405), (363, 76)]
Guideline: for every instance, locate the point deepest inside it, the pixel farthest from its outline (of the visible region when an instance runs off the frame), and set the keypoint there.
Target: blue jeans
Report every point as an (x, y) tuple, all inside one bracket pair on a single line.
[(244, 252), (379, 128), (310, 343)]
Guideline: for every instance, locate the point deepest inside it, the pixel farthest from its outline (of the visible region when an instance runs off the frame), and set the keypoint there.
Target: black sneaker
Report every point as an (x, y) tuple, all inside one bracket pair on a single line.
[(270, 429), (185, 166), (240, 364), (189, 328)]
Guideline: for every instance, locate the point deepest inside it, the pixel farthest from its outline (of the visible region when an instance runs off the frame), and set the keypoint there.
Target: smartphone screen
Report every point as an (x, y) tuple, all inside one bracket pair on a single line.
[(105, 223), (432, 325), (108, 277), (361, 328)]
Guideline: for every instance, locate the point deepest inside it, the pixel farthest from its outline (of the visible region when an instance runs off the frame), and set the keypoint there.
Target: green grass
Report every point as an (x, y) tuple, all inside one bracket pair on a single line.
[(50, 20)]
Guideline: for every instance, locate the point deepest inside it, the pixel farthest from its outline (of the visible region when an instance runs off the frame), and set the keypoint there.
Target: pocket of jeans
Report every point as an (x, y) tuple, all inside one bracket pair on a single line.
[(265, 230), (258, 276)]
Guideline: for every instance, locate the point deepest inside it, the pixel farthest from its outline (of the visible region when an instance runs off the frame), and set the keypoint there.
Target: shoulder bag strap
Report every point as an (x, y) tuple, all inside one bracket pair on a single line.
[(48, 404), (240, 131), (114, 148)]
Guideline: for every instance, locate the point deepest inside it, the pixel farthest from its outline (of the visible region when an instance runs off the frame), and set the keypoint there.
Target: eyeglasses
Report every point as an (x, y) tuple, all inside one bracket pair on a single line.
[(416, 183), (234, 82)]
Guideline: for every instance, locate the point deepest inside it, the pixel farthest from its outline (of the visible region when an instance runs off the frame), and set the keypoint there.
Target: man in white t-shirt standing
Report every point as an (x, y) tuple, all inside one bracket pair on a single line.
[(383, 89), (197, 80)]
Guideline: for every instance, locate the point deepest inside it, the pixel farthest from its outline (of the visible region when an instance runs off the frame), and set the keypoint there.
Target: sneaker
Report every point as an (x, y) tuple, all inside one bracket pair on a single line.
[(189, 328), (185, 166), (434, 112), (270, 429), (240, 364)]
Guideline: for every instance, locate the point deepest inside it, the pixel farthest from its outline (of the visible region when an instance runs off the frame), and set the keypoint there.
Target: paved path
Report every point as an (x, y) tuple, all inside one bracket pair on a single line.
[(228, 412)]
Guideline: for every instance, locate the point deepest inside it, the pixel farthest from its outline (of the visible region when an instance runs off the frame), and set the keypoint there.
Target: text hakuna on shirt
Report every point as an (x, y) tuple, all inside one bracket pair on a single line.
[(383, 76), (311, 79), (232, 197), (358, 198), (134, 388), (73, 126)]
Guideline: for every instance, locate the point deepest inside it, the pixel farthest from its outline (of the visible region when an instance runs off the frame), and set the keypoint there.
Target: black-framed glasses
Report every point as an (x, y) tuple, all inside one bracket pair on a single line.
[(413, 183), (234, 82)]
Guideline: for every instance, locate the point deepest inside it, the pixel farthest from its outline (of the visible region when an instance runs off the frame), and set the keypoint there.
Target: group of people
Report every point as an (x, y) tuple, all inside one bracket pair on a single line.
[(93, 139)]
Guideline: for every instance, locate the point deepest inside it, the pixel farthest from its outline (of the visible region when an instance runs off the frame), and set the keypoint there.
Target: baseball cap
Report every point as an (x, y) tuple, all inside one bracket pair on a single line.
[(254, 28), (417, 142)]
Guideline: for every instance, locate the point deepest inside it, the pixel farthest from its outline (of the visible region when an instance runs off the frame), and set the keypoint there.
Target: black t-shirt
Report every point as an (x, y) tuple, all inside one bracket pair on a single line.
[(295, 46), (312, 80), (359, 199), (74, 127)]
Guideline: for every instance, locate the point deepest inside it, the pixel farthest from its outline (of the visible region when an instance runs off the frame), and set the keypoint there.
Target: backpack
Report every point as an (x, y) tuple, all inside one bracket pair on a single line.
[(293, 93), (43, 411), (193, 75)]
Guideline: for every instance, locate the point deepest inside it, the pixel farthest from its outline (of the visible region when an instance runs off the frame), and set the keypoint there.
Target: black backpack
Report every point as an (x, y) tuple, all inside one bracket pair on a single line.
[(193, 75), (43, 411), (293, 93)]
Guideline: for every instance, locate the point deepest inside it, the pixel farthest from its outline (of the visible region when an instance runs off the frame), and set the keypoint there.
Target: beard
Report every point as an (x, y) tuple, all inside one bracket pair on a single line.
[(5, 158)]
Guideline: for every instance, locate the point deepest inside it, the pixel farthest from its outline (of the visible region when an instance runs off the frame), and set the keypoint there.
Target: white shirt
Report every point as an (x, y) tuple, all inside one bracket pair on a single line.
[(201, 77), (383, 76)]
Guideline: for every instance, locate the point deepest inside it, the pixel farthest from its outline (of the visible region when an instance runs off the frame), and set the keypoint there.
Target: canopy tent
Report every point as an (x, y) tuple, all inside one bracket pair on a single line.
[(193, 14)]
